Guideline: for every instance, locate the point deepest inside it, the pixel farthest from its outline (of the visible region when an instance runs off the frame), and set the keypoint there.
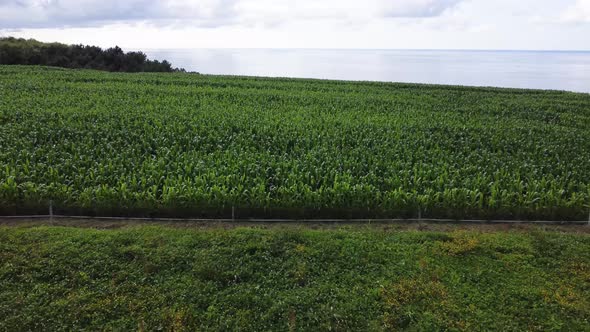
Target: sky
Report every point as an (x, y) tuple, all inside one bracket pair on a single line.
[(353, 24)]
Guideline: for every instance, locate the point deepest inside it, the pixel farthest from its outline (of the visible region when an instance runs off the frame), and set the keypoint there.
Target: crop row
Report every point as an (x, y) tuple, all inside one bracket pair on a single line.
[(197, 145)]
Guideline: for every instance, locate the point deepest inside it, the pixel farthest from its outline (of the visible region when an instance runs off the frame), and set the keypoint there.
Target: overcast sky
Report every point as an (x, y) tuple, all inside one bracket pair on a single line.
[(396, 24)]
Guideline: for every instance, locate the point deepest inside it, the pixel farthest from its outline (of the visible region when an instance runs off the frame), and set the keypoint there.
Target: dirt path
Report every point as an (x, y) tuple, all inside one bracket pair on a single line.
[(316, 225)]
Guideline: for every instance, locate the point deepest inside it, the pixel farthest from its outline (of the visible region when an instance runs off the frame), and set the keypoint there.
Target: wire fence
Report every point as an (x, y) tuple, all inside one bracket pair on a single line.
[(234, 218), (263, 220)]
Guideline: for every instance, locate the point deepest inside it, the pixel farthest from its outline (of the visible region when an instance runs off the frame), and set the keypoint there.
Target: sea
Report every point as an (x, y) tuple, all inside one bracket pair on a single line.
[(552, 70)]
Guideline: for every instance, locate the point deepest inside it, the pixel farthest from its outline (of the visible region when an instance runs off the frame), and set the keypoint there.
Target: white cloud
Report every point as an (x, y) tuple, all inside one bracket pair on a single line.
[(577, 13), (75, 13), (429, 24)]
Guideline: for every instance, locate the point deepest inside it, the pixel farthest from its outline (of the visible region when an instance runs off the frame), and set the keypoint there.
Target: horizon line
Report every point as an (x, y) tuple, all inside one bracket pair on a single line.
[(363, 49)]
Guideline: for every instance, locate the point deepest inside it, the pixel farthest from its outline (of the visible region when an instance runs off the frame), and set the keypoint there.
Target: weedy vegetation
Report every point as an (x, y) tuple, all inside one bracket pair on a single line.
[(354, 279)]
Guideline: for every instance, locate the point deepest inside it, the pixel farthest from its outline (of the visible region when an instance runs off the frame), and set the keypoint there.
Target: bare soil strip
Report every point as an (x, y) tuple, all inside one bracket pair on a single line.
[(385, 225)]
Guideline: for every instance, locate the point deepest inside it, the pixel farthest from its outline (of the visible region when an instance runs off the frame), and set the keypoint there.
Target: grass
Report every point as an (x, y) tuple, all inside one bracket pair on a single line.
[(292, 279), (195, 145)]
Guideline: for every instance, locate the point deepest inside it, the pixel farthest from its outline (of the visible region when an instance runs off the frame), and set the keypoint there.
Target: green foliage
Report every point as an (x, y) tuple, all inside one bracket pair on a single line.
[(19, 51), (195, 145), (155, 278)]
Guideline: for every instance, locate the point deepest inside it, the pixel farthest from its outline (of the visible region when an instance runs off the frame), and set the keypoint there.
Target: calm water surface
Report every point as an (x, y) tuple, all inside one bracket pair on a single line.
[(516, 69)]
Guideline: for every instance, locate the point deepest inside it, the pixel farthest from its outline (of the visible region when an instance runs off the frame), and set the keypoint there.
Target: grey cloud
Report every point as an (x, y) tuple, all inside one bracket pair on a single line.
[(20, 14), (418, 8), (84, 13)]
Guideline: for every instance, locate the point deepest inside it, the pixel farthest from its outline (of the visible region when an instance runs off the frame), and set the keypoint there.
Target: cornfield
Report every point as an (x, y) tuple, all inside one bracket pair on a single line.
[(196, 145)]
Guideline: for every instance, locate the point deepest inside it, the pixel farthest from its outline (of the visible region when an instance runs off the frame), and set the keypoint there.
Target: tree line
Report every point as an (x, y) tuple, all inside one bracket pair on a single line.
[(20, 51)]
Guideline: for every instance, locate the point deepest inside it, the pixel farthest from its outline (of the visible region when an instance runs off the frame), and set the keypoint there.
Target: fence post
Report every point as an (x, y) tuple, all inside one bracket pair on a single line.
[(50, 210), (233, 213)]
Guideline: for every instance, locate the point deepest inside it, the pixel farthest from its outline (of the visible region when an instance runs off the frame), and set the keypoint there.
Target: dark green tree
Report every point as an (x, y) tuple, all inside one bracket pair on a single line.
[(19, 51)]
